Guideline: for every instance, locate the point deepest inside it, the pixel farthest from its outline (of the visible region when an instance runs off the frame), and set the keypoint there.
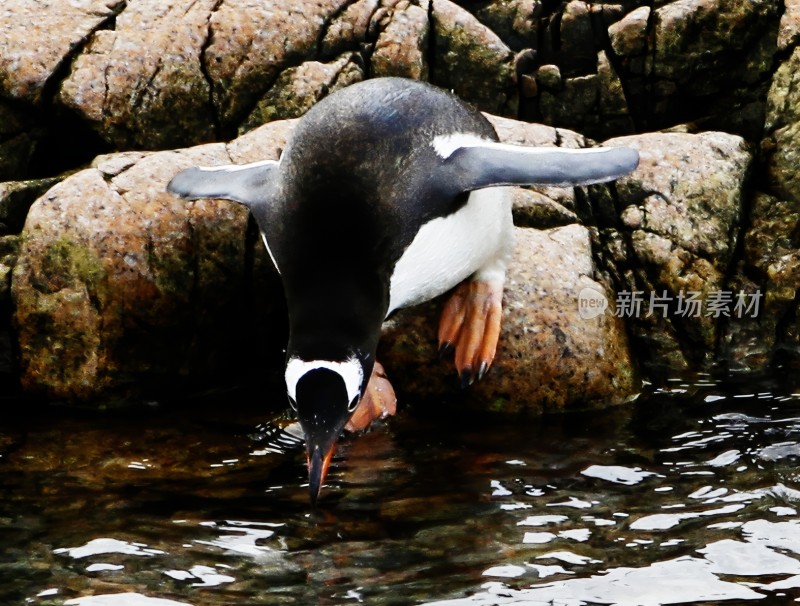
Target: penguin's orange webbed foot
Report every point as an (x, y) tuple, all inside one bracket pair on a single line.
[(379, 401), (470, 324)]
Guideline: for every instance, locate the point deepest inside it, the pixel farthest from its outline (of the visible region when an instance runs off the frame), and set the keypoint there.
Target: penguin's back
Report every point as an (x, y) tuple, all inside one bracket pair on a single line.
[(377, 135), (358, 177)]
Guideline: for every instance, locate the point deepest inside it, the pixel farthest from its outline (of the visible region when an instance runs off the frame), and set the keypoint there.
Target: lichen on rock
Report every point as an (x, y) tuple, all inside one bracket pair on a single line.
[(299, 88), (472, 60)]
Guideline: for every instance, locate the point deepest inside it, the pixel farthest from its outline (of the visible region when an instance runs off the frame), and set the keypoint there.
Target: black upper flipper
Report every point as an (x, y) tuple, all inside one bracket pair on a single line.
[(486, 165), (249, 184)]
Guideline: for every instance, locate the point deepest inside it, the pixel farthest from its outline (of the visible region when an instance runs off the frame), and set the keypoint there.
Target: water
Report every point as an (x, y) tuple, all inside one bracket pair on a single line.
[(690, 496)]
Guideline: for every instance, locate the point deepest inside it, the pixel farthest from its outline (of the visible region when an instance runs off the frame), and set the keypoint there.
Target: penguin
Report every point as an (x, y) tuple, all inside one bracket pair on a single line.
[(389, 192)]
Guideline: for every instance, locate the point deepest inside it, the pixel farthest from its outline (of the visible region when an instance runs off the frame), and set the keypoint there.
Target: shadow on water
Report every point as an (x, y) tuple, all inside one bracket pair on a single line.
[(689, 496)]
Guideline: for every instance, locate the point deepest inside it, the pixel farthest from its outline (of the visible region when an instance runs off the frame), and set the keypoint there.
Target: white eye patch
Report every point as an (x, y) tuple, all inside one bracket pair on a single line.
[(350, 370)]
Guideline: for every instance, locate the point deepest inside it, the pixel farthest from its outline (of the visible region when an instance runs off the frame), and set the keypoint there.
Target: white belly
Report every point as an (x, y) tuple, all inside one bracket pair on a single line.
[(476, 239)]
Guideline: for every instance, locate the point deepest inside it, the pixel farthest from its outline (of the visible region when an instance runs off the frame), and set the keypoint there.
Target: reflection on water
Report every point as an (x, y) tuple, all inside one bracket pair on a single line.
[(690, 497)]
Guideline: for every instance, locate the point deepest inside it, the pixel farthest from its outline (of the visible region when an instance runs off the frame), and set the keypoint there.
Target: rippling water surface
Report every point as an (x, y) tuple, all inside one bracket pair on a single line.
[(689, 496)]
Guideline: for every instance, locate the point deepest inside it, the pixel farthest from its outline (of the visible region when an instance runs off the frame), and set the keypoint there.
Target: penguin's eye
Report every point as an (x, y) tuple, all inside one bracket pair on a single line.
[(353, 403), (292, 403)]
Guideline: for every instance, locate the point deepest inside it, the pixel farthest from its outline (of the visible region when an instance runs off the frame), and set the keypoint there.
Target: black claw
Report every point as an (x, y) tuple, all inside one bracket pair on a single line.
[(482, 370), (445, 349), (466, 377)]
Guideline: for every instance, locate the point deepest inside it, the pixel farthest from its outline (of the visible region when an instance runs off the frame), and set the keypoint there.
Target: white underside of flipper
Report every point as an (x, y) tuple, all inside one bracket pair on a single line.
[(476, 240)]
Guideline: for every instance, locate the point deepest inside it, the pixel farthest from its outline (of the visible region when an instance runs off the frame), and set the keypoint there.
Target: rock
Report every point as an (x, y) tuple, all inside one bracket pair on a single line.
[(594, 104), (549, 77), (349, 28), (534, 209), (577, 55), (189, 71), (574, 104), (142, 85), (16, 198), (612, 106), (692, 60), (769, 274), (514, 21), (298, 88), (789, 28), (37, 38), (682, 210), (629, 37), (770, 266), (402, 46), (699, 210), (251, 43), (705, 48), (549, 357), (471, 60), (117, 280), (782, 124), (9, 249), (696, 39)]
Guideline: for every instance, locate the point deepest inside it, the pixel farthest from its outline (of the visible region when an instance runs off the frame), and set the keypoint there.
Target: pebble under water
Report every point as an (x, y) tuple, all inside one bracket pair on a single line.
[(691, 495)]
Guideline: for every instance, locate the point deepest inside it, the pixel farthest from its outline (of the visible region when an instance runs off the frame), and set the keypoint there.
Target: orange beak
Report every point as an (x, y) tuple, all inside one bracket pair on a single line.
[(317, 470)]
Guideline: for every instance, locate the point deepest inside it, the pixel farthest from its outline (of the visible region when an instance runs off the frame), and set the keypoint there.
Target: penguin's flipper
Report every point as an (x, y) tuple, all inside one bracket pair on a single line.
[(248, 184), (253, 185), (481, 163)]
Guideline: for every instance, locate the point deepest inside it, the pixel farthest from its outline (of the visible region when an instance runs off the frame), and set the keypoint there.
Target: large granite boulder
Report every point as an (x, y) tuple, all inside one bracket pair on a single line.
[(679, 215), (121, 288)]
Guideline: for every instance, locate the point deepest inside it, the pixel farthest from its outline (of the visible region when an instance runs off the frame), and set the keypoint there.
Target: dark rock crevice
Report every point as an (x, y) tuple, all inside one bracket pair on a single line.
[(207, 42), (66, 141)]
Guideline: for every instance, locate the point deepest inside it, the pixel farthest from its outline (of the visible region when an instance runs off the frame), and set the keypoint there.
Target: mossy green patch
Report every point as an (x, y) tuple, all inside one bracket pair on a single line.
[(66, 262)]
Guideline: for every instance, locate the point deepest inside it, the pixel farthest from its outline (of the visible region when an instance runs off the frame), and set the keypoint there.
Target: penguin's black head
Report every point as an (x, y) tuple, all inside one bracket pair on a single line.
[(324, 393)]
